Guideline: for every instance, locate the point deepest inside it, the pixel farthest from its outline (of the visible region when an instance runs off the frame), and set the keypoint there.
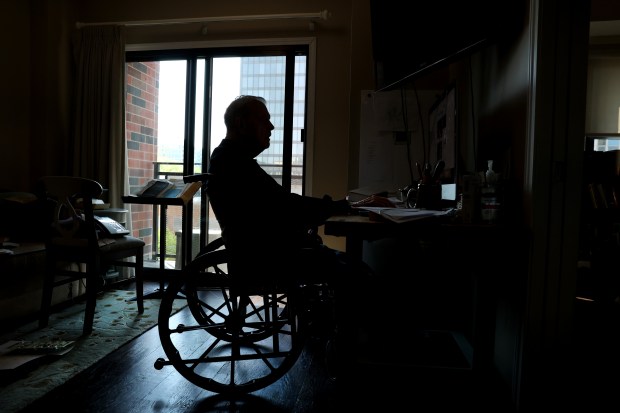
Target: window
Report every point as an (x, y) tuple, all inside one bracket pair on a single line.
[(175, 117), (602, 142), (606, 144)]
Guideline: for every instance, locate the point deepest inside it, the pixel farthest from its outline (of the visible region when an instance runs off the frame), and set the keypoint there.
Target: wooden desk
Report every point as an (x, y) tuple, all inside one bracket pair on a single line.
[(357, 229), (479, 256)]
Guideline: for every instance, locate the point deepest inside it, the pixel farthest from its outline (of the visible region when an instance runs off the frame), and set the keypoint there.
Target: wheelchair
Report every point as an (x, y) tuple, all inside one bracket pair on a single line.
[(237, 339)]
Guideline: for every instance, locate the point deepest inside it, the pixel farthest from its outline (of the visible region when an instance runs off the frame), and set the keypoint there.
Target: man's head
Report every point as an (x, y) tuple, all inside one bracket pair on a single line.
[(247, 121)]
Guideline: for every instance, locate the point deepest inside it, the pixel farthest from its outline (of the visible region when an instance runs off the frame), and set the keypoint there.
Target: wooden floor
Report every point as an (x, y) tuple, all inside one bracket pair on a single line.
[(126, 381)]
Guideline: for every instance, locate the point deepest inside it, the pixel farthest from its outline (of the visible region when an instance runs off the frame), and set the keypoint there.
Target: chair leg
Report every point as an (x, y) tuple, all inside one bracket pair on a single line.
[(92, 274), (46, 296), (91, 302), (139, 280)]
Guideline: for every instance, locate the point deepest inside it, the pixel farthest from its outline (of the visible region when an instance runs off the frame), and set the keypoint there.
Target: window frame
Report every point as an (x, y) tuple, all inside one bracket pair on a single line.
[(191, 55)]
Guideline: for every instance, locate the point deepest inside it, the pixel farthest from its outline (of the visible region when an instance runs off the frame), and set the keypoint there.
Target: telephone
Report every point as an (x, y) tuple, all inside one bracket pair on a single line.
[(110, 227)]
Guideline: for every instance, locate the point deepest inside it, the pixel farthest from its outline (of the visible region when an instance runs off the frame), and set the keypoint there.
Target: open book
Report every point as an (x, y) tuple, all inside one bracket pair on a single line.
[(163, 188), (156, 188)]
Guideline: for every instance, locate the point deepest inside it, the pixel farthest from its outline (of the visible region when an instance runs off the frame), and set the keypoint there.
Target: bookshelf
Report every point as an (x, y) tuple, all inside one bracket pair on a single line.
[(599, 241)]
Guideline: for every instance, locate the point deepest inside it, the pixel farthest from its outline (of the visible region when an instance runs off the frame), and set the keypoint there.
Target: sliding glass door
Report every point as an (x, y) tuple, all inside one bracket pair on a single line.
[(175, 117)]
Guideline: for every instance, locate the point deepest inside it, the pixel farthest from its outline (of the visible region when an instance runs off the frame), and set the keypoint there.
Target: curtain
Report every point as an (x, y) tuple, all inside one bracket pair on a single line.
[(98, 136)]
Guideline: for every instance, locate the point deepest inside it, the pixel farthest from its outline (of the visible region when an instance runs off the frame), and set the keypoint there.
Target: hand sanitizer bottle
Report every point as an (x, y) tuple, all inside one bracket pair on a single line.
[(489, 201), (491, 176)]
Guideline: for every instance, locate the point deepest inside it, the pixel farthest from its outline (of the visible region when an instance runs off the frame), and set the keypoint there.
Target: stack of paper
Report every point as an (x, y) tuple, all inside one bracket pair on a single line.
[(405, 214)]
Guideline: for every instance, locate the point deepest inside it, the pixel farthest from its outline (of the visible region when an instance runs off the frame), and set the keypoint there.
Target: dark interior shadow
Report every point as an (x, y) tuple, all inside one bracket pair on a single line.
[(238, 404)]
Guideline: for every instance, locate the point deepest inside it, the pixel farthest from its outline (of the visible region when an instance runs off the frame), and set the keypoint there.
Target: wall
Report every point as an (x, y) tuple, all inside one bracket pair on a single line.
[(501, 78), (15, 109), (603, 100), (35, 120)]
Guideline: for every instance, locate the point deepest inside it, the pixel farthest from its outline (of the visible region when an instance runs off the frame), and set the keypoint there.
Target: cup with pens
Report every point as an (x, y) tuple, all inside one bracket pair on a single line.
[(428, 192)]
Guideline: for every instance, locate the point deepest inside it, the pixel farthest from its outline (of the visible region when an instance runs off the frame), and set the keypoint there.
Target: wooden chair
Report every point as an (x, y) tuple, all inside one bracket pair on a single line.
[(77, 248)]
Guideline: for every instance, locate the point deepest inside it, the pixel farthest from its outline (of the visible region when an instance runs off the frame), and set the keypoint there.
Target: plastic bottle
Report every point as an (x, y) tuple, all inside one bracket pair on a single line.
[(491, 176), (489, 201)]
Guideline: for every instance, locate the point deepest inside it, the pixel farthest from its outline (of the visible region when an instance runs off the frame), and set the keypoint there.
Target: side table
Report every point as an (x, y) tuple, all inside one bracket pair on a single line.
[(184, 200)]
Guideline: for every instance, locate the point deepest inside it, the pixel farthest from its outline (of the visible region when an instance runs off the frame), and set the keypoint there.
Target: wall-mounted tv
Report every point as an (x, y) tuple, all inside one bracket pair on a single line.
[(410, 37)]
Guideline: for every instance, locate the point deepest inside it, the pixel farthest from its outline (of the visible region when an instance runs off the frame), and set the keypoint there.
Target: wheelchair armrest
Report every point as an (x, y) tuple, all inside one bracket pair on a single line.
[(197, 177)]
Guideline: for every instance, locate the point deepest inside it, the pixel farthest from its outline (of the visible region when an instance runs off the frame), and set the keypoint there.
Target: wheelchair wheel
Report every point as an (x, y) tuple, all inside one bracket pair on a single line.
[(228, 343)]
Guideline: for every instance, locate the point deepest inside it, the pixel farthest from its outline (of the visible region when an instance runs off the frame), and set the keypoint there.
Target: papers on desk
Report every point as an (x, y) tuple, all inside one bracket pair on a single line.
[(358, 194), (400, 215)]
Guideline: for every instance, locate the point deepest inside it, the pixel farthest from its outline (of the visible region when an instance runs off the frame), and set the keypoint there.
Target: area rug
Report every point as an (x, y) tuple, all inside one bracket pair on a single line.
[(116, 322)]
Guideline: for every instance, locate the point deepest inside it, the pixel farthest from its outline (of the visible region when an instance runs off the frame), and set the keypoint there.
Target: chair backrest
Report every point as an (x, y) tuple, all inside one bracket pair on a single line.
[(72, 220), (209, 184)]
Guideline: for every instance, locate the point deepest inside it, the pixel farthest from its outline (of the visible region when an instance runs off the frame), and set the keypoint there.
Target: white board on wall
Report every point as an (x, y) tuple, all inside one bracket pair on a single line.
[(386, 117)]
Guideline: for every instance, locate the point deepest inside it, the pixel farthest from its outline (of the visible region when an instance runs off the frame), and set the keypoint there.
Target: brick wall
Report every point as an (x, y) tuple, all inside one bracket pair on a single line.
[(141, 134)]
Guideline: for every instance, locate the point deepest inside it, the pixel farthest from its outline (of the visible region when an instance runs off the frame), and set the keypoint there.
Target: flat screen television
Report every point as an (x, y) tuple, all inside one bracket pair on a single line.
[(410, 37)]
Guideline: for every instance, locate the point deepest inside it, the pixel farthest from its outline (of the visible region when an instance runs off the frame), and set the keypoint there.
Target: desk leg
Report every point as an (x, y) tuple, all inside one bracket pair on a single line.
[(485, 313), (159, 293), (346, 320)]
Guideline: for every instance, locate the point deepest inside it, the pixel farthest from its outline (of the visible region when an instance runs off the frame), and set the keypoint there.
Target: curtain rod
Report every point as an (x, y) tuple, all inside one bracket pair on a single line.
[(321, 15)]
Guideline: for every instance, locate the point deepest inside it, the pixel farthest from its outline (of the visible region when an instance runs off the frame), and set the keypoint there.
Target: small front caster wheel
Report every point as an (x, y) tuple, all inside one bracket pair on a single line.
[(160, 363)]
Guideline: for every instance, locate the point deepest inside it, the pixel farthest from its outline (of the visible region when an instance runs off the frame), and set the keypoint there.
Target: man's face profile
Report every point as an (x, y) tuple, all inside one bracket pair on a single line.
[(257, 127)]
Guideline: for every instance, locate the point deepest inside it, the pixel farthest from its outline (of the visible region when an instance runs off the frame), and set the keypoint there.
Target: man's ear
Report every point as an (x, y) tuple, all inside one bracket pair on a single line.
[(240, 122)]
